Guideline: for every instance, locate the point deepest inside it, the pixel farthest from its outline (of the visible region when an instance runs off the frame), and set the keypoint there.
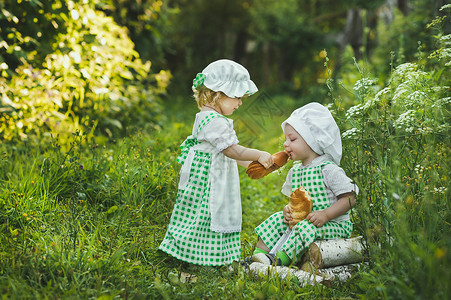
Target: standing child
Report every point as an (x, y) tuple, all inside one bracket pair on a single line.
[(206, 220), (313, 137)]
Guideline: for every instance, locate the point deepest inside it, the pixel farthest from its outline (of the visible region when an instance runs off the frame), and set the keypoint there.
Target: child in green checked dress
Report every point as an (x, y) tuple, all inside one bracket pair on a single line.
[(205, 223), (312, 137)]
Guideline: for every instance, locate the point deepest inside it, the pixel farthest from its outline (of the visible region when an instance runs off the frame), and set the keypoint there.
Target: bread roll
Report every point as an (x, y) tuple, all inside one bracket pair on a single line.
[(300, 205), (256, 170)]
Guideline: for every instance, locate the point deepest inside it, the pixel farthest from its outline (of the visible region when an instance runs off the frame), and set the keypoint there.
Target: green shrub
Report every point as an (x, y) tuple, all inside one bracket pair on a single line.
[(92, 79), (397, 149)]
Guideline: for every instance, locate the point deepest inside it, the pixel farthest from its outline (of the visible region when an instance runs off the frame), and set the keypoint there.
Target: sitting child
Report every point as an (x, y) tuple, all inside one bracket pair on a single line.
[(312, 137)]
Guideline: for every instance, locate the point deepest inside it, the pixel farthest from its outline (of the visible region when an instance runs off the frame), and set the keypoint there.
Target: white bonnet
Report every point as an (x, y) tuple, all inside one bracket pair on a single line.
[(228, 77), (317, 126)]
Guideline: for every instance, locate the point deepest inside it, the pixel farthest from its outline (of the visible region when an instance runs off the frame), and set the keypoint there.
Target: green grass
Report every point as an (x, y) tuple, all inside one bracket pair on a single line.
[(85, 221)]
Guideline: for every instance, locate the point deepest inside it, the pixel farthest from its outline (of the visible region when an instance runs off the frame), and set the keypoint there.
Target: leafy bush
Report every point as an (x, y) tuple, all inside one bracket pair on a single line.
[(92, 79)]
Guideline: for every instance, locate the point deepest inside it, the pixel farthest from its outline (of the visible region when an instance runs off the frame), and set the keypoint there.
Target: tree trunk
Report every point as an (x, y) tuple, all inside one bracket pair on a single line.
[(331, 253)]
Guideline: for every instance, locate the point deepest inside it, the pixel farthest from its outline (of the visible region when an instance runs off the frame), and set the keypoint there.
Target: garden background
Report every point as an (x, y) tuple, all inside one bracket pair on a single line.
[(95, 99)]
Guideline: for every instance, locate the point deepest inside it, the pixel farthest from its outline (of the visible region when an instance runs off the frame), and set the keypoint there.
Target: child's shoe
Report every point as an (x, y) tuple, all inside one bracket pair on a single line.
[(267, 259)]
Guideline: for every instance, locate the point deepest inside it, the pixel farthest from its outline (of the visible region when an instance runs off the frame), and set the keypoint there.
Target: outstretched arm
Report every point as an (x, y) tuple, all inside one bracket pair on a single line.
[(241, 153), (244, 163)]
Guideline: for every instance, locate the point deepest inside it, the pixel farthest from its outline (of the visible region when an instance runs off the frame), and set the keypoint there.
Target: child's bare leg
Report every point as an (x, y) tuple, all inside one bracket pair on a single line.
[(262, 245)]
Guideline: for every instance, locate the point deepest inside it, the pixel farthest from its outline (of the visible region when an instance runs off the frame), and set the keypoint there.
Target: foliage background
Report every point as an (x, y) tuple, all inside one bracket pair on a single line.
[(95, 98)]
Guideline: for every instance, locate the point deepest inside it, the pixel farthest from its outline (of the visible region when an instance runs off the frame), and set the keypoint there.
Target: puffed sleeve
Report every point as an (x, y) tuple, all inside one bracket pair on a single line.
[(287, 185), (337, 181), (219, 133)]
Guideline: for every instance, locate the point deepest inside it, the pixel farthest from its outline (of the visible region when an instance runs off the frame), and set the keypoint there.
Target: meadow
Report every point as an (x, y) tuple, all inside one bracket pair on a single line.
[(82, 212), (84, 220)]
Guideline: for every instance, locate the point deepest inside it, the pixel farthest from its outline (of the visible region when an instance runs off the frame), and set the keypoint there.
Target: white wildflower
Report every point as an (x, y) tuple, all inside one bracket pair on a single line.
[(85, 73), (442, 102), (419, 169), (438, 89), (400, 92), (406, 68), (354, 111), (445, 53), (99, 91), (416, 97), (407, 121), (75, 56), (383, 92), (350, 133), (443, 128), (426, 130), (413, 78), (363, 84), (445, 39), (74, 14), (440, 190)]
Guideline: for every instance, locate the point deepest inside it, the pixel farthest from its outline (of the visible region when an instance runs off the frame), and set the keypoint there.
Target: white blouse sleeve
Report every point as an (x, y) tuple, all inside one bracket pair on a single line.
[(287, 185), (219, 133), (337, 181)]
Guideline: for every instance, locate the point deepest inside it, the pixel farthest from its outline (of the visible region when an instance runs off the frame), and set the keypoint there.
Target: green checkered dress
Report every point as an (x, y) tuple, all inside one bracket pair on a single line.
[(304, 233), (189, 237)]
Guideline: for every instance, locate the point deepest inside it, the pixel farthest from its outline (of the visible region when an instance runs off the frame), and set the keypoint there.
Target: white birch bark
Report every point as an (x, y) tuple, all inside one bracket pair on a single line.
[(334, 252), (340, 273), (323, 276), (304, 278)]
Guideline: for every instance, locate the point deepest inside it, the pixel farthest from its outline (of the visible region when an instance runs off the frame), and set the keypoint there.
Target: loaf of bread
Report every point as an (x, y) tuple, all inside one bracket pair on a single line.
[(256, 170), (300, 205)]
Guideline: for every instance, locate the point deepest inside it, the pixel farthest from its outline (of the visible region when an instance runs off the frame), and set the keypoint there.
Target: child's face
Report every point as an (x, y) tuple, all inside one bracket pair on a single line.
[(227, 105), (297, 147)]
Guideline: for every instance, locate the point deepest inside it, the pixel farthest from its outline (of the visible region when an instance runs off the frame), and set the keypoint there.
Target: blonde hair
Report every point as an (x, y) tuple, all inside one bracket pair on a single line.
[(204, 95)]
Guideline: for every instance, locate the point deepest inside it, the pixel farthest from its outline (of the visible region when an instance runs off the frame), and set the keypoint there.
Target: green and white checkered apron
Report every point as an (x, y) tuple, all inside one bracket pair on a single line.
[(188, 236), (304, 233)]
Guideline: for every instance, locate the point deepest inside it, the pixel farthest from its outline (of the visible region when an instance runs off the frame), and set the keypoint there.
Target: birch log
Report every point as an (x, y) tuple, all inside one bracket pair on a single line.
[(322, 276), (340, 273), (331, 253), (304, 278)]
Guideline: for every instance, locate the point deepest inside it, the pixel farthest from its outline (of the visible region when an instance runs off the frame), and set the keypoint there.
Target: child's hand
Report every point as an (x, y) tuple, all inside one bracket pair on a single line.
[(318, 218), (266, 159), (287, 218)]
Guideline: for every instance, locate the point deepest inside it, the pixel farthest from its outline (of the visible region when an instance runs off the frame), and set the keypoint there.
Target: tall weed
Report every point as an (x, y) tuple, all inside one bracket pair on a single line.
[(396, 145)]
